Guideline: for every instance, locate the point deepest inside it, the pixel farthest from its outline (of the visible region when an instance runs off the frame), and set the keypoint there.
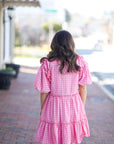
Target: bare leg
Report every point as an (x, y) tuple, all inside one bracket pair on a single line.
[(72, 143)]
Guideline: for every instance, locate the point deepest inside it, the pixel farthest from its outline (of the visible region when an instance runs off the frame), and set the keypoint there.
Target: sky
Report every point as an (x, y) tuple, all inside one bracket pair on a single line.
[(87, 8)]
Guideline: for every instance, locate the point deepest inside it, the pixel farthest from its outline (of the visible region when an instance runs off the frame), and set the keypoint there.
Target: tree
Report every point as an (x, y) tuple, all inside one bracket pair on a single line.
[(67, 16), (56, 26)]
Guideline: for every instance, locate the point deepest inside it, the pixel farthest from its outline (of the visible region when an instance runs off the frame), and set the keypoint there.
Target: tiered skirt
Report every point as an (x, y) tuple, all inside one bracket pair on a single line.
[(63, 120)]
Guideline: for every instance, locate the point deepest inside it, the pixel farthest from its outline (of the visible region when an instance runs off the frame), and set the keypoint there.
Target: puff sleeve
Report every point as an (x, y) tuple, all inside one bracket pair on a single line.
[(42, 80), (84, 74)]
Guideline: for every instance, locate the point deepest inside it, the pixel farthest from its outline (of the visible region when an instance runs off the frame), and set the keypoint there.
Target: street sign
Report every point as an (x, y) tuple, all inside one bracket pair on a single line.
[(51, 10)]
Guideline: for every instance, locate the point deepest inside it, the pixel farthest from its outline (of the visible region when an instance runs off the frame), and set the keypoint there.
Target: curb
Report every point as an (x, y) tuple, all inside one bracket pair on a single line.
[(98, 82)]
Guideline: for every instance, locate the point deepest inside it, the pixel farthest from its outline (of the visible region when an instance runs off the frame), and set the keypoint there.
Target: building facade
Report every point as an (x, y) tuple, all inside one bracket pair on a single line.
[(7, 27)]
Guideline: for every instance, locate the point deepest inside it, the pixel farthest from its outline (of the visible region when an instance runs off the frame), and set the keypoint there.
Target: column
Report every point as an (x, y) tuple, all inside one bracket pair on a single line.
[(1, 37)]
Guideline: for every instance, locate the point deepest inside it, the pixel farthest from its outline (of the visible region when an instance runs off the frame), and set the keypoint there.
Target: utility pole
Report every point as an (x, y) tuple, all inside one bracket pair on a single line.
[(51, 12)]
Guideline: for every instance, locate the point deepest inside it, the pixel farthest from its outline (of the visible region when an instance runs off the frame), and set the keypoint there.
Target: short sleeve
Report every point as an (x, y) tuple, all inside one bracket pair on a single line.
[(84, 74), (42, 80)]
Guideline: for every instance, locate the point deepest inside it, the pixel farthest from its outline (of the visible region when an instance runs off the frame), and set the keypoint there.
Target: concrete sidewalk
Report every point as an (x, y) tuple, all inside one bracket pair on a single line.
[(20, 112)]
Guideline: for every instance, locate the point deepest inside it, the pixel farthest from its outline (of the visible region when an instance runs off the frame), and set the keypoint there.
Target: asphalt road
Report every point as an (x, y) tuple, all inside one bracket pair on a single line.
[(100, 61)]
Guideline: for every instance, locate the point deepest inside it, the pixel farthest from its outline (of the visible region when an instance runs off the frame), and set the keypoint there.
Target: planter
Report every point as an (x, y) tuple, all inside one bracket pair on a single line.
[(5, 79), (15, 67)]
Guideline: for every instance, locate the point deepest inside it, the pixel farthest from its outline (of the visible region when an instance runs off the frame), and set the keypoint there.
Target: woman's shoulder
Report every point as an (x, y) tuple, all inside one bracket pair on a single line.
[(81, 61), (48, 63), (45, 64), (45, 61)]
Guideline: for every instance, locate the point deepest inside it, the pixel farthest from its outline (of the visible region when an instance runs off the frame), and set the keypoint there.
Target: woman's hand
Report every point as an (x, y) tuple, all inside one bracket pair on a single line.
[(43, 97), (84, 104), (83, 93), (40, 112)]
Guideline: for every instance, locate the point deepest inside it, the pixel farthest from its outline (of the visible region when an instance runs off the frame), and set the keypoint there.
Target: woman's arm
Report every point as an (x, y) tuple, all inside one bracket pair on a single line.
[(42, 98), (83, 93)]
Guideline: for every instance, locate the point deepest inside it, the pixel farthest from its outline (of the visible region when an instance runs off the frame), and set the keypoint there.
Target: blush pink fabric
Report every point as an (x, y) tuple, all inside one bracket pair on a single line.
[(63, 119)]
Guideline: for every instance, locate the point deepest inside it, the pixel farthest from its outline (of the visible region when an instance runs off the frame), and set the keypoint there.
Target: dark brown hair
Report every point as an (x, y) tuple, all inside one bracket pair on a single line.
[(62, 48)]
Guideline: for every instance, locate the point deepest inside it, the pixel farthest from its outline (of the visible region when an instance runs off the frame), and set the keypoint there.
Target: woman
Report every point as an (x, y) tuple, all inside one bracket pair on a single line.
[(61, 81)]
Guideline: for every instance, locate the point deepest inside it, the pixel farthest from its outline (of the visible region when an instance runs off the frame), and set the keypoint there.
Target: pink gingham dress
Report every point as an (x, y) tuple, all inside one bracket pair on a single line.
[(63, 119)]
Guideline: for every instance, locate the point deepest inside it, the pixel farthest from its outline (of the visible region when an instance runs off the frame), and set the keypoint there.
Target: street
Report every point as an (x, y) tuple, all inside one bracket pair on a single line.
[(100, 62)]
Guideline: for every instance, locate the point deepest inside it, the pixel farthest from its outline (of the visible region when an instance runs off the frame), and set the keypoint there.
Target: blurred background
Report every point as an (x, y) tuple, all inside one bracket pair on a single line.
[(26, 30)]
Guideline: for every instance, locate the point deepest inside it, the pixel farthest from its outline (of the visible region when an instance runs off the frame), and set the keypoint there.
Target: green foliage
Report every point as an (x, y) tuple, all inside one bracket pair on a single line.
[(45, 27), (56, 26), (8, 69)]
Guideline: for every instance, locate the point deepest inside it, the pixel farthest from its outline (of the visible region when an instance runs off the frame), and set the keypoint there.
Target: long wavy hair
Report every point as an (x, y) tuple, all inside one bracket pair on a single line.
[(62, 48)]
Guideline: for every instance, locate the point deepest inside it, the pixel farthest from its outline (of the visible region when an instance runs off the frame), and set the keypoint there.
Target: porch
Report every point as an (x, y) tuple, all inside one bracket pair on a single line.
[(7, 27)]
